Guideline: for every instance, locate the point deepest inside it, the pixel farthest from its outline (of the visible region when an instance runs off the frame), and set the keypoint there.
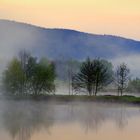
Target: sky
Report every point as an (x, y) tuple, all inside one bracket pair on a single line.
[(116, 17)]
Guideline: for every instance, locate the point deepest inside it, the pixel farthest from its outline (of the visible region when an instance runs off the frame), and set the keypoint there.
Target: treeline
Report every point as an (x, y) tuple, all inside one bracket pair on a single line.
[(27, 75), (96, 74)]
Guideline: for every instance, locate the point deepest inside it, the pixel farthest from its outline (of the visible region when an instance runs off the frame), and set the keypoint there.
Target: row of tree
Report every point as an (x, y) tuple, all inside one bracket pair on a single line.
[(96, 74), (27, 75)]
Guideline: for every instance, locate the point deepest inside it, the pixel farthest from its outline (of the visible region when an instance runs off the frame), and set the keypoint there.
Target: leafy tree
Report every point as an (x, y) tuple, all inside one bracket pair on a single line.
[(122, 77), (27, 75), (103, 74), (84, 80), (13, 77), (42, 80), (93, 76)]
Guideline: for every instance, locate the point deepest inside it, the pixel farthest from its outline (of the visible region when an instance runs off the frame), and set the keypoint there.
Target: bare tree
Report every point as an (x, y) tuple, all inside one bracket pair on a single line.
[(24, 57), (70, 79), (122, 77), (72, 68)]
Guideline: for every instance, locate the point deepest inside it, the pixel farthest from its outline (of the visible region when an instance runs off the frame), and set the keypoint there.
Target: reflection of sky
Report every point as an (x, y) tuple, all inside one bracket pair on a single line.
[(24, 119)]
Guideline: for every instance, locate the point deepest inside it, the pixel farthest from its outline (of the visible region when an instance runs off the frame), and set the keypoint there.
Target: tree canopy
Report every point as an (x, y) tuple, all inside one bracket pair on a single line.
[(93, 75), (25, 75)]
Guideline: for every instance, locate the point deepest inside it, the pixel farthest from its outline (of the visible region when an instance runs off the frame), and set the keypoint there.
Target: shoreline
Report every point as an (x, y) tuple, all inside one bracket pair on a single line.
[(82, 98)]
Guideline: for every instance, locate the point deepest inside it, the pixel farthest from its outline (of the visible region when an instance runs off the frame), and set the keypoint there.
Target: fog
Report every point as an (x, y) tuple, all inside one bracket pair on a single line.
[(13, 38), (20, 120), (132, 61)]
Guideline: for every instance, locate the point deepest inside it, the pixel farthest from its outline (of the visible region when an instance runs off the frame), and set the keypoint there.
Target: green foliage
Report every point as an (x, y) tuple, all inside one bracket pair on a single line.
[(26, 76), (93, 76), (42, 80), (13, 77)]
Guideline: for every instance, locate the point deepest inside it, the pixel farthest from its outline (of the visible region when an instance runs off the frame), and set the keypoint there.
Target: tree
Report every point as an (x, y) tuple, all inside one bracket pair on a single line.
[(25, 75), (84, 80), (93, 76), (122, 77), (42, 79), (24, 58), (13, 77), (72, 67), (103, 74)]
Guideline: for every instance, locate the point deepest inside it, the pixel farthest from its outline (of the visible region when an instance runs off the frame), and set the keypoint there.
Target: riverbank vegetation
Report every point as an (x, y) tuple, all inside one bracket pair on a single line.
[(78, 98), (29, 76)]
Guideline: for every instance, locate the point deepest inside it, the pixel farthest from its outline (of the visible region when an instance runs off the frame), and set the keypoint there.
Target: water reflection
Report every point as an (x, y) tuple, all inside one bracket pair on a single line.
[(23, 119), (122, 118)]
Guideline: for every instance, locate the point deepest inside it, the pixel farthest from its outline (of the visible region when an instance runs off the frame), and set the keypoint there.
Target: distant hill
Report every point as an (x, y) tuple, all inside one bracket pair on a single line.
[(62, 43)]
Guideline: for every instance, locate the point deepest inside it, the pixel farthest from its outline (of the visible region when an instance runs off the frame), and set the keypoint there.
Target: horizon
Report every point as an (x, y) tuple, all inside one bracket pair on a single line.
[(69, 29), (96, 17)]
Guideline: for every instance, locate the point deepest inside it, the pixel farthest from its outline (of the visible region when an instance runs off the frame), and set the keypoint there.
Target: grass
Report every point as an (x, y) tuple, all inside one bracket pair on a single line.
[(103, 98), (68, 98)]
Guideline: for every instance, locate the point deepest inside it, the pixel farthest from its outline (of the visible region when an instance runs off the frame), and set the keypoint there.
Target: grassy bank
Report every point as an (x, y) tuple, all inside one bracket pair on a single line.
[(69, 98)]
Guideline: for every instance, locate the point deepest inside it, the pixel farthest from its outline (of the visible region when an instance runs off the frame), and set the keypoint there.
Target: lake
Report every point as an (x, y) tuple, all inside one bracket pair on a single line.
[(41, 120)]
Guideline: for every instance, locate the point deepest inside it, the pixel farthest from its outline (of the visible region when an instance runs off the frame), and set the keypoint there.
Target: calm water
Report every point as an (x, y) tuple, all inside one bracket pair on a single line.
[(32, 120)]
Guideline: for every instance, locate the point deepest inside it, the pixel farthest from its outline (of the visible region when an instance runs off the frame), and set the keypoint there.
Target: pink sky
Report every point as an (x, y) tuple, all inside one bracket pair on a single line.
[(116, 17)]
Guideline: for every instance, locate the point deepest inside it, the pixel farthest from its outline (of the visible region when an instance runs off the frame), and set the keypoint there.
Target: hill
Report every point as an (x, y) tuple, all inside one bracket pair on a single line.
[(63, 44)]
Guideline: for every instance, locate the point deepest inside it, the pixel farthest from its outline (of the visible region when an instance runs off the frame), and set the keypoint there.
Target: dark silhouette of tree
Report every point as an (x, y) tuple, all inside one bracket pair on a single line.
[(122, 77), (84, 80), (93, 76), (103, 74)]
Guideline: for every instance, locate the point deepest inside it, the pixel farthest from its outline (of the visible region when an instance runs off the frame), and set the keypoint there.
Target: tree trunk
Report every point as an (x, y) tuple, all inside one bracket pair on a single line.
[(96, 86), (96, 90), (118, 91), (121, 92)]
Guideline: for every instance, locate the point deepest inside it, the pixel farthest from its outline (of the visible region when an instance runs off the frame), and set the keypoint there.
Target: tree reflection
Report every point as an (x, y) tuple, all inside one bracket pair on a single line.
[(92, 116), (22, 120), (121, 117)]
